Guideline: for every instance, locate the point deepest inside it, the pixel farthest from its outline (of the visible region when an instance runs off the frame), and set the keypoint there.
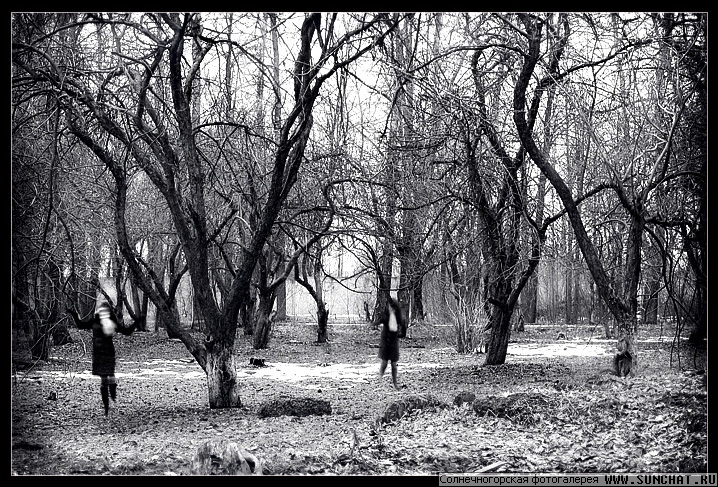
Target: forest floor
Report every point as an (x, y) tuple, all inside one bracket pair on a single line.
[(589, 421)]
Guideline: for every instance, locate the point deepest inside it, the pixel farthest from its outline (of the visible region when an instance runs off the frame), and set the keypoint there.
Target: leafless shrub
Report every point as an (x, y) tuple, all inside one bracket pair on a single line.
[(467, 316)]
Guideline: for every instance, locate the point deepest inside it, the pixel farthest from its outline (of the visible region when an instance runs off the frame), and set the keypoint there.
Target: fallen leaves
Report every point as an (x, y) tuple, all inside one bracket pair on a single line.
[(561, 421)]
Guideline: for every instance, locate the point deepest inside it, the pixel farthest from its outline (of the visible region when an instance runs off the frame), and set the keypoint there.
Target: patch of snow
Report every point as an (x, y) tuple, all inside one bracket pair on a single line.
[(290, 372), (296, 372), (558, 349)]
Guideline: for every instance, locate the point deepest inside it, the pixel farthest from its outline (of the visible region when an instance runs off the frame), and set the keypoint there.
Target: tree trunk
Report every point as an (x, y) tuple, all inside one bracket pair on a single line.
[(579, 307), (59, 332), (163, 321), (568, 294), (197, 319), (316, 291), (531, 304), (40, 340), (170, 332), (519, 320), (497, 288), (410, 295), (650, 300), (653, 273), (318, 295), (403, 295), (627, 337), (607, 332), (417, 301), (499, 340), (282, 299), (264, 320), (383, 279), (247, 313), (700, 330), (42, 323), (139, 303), (381, 300), (322, 320), (221, 373)]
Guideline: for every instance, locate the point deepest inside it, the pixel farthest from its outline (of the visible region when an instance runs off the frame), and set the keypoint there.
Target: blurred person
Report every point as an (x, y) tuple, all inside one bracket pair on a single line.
[(391, 320), (104, 324)]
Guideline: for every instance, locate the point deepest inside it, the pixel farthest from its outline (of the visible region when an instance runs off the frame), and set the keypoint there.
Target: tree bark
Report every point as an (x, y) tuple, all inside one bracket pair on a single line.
[(322, 321), (498, 343), (322, 311), (221, 371), (530, 307), (417, 300), (264, 321), (282, 300), (383, 281)]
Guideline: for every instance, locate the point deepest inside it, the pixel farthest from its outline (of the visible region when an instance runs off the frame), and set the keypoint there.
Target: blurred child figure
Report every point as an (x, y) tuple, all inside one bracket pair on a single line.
[(104, 324), (390, 319)]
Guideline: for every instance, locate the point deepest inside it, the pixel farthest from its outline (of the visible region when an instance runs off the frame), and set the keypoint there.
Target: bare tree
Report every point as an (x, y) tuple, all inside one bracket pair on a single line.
[(165, 148), (633, 187)]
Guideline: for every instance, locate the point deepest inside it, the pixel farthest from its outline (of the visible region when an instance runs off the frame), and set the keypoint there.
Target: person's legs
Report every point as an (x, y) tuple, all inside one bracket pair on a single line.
[(394, 372), (112, 383), (382, 369), (105, 394)]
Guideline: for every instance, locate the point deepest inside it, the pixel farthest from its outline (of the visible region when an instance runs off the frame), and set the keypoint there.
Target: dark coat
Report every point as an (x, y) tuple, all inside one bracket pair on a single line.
[(103, 350), (389, 341), (103, 347)]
